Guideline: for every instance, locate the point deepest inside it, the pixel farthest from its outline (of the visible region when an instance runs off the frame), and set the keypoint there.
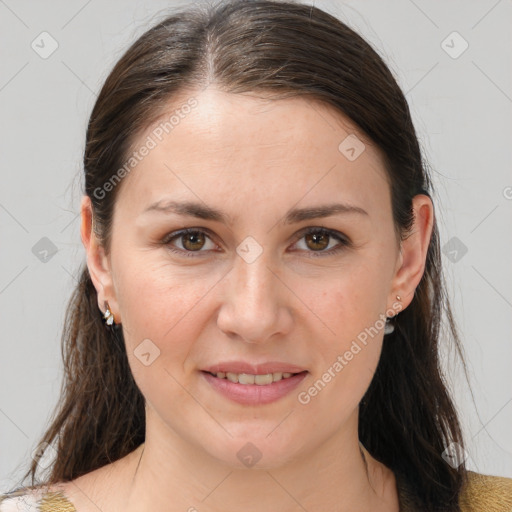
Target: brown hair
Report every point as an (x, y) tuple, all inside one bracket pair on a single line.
[(407, 417)]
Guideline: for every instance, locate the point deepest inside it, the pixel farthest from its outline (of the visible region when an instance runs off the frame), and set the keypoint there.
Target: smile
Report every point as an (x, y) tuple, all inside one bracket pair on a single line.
[(249, 389)]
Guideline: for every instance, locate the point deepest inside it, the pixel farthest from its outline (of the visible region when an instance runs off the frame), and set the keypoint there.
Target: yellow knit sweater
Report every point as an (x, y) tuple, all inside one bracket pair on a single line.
[(487, 493), (484, 493)]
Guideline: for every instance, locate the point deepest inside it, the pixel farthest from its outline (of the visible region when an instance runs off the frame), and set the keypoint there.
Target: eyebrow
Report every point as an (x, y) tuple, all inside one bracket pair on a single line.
[(294, 215)]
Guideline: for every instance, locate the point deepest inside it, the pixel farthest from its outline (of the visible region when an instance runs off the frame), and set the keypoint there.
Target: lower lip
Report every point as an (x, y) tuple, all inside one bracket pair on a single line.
[(254, 394)]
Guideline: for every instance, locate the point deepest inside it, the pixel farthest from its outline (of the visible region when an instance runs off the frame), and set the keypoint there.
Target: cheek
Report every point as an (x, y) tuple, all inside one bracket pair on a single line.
[(345, 373), (351, 311), (155, 295), (348, 301), (162, 313), (162, 316)]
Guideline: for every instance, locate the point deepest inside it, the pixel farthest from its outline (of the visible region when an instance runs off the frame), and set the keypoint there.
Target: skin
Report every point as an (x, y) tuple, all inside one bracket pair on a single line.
[(254, 159)]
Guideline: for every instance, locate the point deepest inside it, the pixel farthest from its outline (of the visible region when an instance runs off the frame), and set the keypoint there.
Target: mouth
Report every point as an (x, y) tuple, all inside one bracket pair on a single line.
[(253, 389), (256, 379)]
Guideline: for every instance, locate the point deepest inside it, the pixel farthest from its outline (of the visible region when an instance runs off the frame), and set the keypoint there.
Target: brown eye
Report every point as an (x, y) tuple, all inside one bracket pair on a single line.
[(318, 241), (193, 241)]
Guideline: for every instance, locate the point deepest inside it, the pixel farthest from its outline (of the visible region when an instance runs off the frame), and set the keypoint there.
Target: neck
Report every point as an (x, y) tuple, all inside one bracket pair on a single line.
[(339, 474)]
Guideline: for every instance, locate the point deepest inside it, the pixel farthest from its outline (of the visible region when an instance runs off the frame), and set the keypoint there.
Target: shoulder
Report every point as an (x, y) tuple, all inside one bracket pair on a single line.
[(486, 493), (40, 499)]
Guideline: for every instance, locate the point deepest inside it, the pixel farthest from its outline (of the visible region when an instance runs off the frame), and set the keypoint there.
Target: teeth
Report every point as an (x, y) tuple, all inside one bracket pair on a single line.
[(247, 378)]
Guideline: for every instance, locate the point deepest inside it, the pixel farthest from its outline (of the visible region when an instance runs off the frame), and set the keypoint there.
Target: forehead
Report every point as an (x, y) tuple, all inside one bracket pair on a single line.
[(217, 145)]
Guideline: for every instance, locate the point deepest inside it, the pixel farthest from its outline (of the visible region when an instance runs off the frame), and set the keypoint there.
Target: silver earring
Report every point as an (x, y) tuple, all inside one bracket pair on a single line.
[(108, 316), (389, 327)]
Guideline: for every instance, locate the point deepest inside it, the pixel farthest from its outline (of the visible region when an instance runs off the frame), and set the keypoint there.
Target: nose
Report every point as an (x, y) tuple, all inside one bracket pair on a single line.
[(254, 308)]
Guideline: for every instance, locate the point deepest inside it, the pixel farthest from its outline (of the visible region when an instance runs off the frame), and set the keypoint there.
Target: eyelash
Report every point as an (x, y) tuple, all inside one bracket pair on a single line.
[(344, 242)]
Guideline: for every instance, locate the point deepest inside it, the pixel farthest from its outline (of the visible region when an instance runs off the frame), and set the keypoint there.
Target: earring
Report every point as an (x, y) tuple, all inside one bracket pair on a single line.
[(108, 316), (389, 327)]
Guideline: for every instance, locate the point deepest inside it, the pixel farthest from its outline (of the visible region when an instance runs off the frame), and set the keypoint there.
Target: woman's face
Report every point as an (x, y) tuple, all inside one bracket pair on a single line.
[(251, 285)]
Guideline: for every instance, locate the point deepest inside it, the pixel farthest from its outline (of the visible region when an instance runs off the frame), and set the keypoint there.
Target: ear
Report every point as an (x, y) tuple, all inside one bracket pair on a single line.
[(413, 251), (97, 262)]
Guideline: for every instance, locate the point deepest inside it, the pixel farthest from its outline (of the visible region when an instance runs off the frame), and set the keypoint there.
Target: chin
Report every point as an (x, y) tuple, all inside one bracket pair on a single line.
[(252, 452)]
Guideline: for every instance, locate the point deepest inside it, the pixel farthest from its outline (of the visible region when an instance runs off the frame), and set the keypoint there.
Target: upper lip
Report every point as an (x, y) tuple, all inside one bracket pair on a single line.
[(253, 368)]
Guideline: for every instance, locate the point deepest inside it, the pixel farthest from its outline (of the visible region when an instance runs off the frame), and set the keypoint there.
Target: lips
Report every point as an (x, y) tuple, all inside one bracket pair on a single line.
[(253, 368), (254, 394)]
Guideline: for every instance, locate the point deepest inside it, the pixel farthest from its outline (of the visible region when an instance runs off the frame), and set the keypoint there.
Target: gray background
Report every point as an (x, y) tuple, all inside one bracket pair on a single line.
[(461, 106)]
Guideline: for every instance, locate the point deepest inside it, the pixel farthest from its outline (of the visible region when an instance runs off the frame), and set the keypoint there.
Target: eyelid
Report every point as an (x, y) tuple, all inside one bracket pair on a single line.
[(323, 230), (344, 241), (181, 232)]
